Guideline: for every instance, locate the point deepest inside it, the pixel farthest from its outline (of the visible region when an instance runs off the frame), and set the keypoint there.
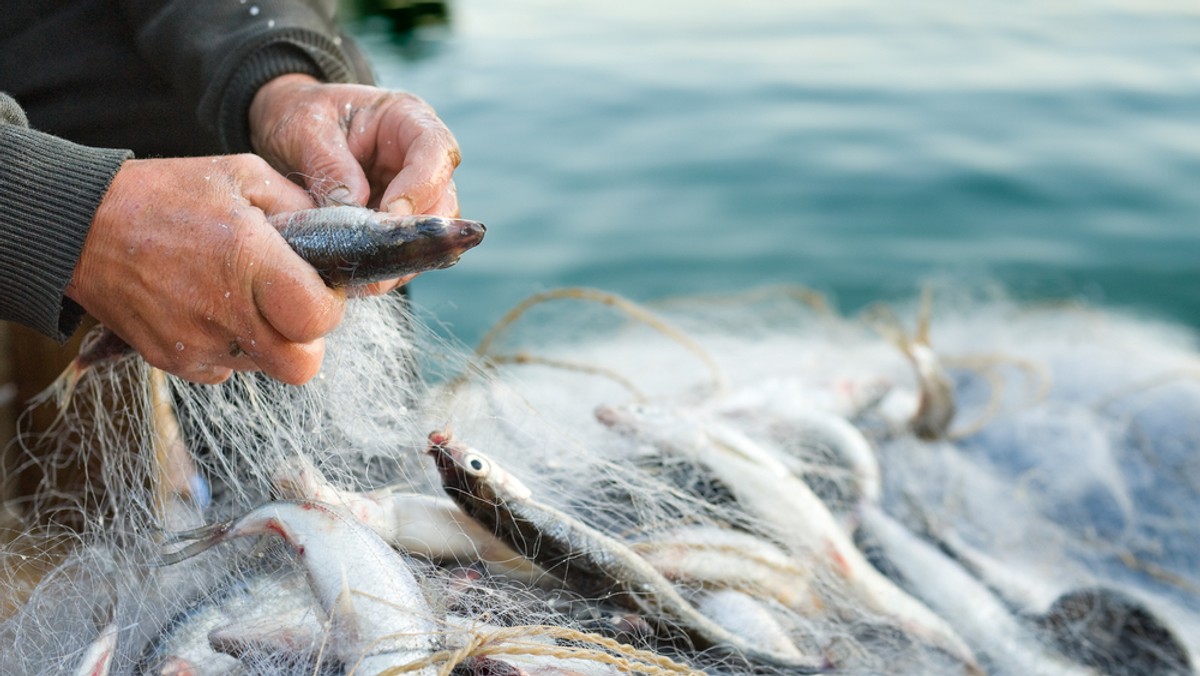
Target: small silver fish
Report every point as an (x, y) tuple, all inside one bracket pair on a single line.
[(957, 595), (1092, 624), (710, 557), (788, 510), (378, 614), (590, 562), (350, 246), (429, 525)]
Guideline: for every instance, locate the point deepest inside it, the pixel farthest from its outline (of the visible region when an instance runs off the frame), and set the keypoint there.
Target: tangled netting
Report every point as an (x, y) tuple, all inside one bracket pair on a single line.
[(733, 484)]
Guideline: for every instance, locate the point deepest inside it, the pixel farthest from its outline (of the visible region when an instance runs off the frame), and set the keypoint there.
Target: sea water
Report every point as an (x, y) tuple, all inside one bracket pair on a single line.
[(861, 147)]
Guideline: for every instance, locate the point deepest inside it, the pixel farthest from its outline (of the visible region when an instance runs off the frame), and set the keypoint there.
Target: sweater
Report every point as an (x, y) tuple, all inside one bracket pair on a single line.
[(100, 79)]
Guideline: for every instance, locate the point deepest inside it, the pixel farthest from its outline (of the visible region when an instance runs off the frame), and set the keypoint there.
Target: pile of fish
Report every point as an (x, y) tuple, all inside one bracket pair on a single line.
[(682, 491)]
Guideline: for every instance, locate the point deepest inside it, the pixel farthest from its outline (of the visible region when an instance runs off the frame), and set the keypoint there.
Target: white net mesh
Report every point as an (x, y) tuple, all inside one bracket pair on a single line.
[(757, 450)]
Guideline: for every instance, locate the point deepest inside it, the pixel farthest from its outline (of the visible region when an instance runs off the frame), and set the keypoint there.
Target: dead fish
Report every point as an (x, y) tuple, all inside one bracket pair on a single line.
[(709, 557), (592, 563), (744, 615), (378, 615), (181, 493), (348, 246), (200, 639), (351, 246), (788, 509), (793, 420), (1094, 625), (975, 611), (100, 345), (428, 525)]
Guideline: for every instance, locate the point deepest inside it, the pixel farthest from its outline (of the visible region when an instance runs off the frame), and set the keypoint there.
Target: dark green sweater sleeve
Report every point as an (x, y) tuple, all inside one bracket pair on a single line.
[(50, 189), (219, 53)]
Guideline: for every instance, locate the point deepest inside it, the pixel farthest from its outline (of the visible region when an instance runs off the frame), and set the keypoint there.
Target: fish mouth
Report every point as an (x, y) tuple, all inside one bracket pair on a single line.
[(441, 444), (452, 237), (607, 416), (470, 233)]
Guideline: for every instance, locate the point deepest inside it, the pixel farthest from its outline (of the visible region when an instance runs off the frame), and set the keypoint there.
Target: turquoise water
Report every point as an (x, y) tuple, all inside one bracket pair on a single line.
[(668, 147)]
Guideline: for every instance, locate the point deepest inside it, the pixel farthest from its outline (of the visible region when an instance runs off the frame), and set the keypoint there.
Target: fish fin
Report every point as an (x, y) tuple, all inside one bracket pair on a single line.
[(342, 616), (201, 533), (204, 537), (182, 554)]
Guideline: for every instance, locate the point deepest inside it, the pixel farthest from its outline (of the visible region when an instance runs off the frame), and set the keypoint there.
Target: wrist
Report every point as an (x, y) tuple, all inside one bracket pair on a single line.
[(95, 246)]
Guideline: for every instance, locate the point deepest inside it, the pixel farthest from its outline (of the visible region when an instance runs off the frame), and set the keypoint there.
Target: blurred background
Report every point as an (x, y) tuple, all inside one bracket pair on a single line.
[(664, 147)]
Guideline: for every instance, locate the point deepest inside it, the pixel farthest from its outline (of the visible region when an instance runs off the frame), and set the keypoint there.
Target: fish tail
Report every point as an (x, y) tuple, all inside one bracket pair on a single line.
[(202, 538)]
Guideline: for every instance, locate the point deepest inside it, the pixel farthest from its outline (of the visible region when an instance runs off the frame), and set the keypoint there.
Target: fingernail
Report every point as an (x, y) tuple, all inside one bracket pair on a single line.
[(401, 206), (339, 196)]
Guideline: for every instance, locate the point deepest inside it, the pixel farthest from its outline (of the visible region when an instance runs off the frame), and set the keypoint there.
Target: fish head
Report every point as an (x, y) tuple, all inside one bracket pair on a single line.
[(468, 474), (650, 423), (440, 241)]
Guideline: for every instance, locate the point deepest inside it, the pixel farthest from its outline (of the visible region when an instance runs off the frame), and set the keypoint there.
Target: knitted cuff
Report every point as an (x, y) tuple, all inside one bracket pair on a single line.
[(290, 51), (50, 189)]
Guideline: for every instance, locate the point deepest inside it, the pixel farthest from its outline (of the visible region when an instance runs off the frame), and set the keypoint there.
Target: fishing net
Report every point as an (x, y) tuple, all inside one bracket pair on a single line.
[(757, 449)]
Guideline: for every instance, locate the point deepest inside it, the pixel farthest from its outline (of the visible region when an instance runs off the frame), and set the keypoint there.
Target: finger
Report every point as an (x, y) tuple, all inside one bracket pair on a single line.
[(334, 177), (206, 374), (292, 363), (262, 348), (447, 205), (428, 168), (201, 373), (380, 288), (331, 172), (220, 375), (268, 190), (300, 126), (291, 296)]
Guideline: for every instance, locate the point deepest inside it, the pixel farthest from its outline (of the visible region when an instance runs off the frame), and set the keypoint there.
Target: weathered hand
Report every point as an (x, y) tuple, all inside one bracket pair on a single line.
[(181, 262), (358, 144)]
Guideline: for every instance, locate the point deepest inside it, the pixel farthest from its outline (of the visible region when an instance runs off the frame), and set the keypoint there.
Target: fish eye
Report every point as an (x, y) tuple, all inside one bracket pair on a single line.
[(476, 464)]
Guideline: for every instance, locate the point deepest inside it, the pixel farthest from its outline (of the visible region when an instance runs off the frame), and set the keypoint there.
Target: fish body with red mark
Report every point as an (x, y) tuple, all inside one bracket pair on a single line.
[(378, 615)]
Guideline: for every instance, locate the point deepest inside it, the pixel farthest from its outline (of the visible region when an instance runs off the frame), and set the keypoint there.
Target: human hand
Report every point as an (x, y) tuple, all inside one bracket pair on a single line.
[(358, 144), (181, 262)]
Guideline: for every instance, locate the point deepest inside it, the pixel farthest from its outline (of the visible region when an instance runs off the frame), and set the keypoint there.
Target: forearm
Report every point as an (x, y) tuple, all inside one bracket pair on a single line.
[(220, 53), (49, 192)]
